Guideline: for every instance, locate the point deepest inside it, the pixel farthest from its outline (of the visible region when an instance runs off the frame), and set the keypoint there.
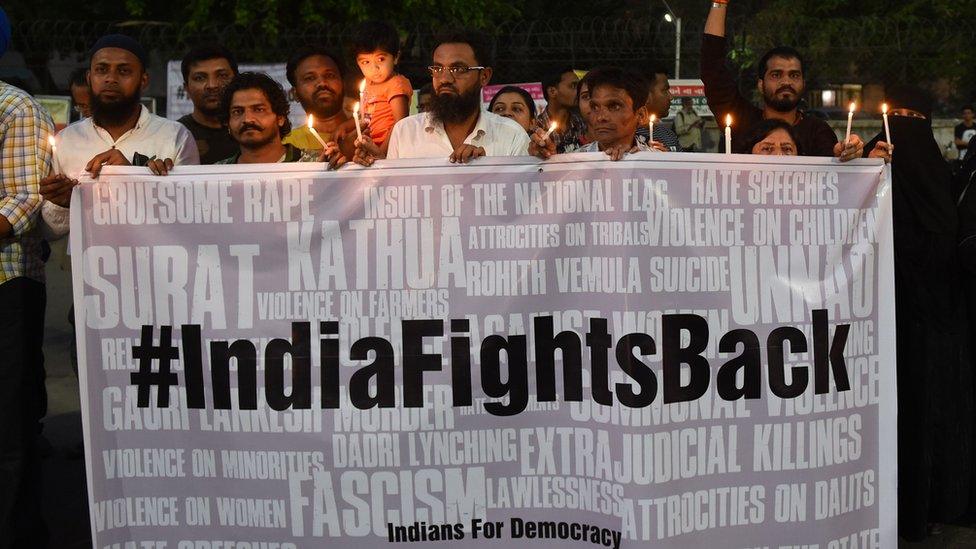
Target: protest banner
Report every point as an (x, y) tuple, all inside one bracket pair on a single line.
[(672, 350)]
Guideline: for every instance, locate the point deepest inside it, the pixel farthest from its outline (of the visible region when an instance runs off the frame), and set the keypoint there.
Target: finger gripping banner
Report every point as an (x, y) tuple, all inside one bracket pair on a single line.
[(668, 351)]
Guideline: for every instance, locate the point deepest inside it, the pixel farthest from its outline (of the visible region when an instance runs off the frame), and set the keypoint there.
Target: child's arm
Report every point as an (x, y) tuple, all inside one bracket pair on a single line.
[(400, 105)]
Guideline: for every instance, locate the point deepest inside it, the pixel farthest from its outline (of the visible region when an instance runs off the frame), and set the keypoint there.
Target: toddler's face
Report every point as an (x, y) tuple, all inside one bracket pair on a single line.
[(377, 66)]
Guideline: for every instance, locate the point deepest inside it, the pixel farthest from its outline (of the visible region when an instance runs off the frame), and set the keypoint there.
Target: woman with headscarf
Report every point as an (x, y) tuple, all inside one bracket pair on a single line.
[(935, 385)]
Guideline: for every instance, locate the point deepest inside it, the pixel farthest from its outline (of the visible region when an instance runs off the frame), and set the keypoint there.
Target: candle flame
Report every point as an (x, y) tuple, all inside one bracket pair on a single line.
[(311, 121), (355, 108), (52, 141), (553, 126), (728, 120), (362, 85), (653, 118), (853, 106), (884, 108)]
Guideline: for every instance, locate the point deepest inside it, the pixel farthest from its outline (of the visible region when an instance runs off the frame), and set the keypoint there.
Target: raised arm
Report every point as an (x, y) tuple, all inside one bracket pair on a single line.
[(715, 23)]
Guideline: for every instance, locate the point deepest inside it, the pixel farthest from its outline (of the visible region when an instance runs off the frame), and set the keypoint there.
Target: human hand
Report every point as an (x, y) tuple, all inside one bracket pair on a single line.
[(56, 188), (882, 150), (111, 157), (466, 153), (540, 145), (160, 166), (850, 149)]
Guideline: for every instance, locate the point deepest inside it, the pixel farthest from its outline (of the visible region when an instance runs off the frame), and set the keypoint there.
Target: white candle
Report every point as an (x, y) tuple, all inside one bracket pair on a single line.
[(850, 120), (54, 144), (884, 115), (650, 132), (728, 134), (552, 128), (355, 116), (311, 129), (362, 92)]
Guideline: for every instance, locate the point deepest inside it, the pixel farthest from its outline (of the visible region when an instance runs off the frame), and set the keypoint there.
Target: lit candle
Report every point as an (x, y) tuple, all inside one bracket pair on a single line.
[(728, 134), (355, 116), (552, 128), (850, 120), (311, 129), (884, 115), (362, 93), (54, 144), (650, 132)]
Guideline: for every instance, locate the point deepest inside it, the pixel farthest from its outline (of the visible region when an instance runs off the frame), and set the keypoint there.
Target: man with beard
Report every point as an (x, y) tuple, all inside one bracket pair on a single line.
[(255, 109), (121, 131), (617, 107), (781, 83), (455, 127), (315, 75), (206, 70)]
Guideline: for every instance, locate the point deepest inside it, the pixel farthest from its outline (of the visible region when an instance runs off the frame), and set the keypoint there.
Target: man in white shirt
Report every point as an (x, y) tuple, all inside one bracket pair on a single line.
[(455, 126), (121, 130)]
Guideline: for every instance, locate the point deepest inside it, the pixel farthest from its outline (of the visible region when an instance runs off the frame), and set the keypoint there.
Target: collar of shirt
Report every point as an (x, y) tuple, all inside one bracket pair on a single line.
[(477, 134), (594, 146)]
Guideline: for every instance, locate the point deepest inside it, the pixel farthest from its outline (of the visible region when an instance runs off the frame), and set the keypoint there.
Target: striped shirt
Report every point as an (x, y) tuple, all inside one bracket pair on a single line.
[(25, 158)]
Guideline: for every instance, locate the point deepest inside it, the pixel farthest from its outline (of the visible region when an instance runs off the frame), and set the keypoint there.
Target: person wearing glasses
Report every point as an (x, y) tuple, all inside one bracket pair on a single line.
[(455, 127), (80, 93)]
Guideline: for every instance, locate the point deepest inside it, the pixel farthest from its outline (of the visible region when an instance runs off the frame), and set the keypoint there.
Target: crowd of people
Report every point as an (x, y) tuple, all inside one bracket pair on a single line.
[(243, 117)]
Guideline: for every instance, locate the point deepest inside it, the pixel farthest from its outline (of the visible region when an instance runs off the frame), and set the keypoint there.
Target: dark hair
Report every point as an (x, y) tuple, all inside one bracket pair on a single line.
[(529, 102), (552, 80), (634, 84), (476, 39), (655, 69), (79, 77), (204, 53), (375, 35), (967, 107), (304, 53), (426, 89), (257, 81), (779, 51), (759, 131)]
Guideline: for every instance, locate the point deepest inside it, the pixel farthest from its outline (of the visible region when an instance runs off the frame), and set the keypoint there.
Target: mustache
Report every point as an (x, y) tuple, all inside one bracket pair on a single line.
[(244, 127), (786, 88), (449, 87)]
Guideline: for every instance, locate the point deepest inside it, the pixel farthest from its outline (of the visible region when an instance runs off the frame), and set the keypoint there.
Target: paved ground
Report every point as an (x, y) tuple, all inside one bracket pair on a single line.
[(65, 494)]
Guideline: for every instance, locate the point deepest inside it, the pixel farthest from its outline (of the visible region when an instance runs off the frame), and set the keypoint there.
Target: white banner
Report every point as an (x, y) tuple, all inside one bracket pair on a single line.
[(673, 350)]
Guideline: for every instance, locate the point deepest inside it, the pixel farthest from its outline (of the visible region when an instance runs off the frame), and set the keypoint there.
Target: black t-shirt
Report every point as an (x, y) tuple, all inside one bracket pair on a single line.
[(966, 133), (213, 143), (814, 137)]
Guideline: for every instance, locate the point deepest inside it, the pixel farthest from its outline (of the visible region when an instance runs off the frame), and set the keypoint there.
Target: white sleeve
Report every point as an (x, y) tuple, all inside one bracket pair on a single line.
[(55, 221), (393, 151), (186, 148), (520, 145)]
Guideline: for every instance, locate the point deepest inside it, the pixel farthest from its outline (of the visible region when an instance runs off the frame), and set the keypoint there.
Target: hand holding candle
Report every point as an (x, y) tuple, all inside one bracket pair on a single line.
[(884, 115), (355, 116), (728, 134), (552, 128), (850, 120), (311, 129)]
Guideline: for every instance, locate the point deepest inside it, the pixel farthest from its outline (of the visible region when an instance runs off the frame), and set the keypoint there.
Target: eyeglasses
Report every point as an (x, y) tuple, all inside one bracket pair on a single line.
[(438, 70)]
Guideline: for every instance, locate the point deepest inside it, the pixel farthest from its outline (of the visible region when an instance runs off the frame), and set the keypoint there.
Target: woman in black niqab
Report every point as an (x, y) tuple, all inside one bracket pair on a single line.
[(935, 385)]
